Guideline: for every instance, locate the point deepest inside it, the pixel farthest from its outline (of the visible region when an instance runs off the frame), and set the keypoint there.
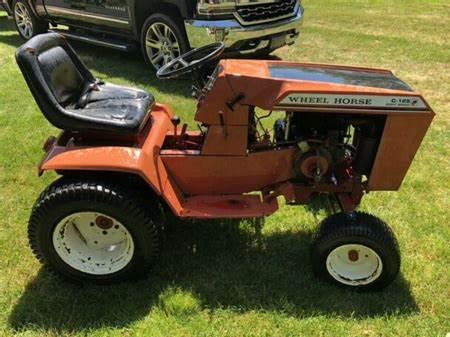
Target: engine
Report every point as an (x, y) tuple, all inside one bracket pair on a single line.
[(330, 145)]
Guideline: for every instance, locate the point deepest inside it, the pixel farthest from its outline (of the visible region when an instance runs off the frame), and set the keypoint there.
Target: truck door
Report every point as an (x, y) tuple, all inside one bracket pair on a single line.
[(64, 11), (111, 13), (100, 13)]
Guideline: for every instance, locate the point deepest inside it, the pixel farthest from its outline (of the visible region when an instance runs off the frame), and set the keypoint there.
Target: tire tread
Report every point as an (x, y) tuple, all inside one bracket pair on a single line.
[(357, 225), (91, 190)]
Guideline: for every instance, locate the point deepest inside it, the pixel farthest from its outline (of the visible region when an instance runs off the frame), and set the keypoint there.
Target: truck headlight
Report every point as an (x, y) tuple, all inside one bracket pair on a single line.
[(216, 8)]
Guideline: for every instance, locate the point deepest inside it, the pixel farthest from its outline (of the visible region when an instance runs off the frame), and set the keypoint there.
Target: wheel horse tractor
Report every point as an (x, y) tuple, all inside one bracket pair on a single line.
[(124, 159)]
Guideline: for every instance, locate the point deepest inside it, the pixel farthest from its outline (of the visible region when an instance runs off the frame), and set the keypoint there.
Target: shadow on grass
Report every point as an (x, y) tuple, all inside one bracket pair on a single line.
[(226, 265), (11, 39)]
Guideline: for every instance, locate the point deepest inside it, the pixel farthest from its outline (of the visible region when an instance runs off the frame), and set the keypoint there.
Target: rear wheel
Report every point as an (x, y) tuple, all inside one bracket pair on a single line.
[(93, 231), (356, 250), (27, 24), (162, 39)]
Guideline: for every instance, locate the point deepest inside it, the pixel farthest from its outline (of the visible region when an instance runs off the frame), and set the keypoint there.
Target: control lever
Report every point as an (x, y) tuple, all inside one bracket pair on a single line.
[(175, 122), (183, 132), (222, 124)]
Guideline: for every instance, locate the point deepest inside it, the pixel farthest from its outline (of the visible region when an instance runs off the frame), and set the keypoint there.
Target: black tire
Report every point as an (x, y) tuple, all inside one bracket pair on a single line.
[(175, 25), (360, 229), (38, 26), (68, 196)]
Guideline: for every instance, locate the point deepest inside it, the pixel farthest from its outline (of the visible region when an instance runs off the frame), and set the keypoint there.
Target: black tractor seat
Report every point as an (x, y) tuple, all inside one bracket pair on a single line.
[(71, 98)]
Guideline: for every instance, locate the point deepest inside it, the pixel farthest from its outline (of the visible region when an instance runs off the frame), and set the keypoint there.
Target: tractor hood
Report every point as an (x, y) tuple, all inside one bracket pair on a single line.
[(341, 75), (287, 86)]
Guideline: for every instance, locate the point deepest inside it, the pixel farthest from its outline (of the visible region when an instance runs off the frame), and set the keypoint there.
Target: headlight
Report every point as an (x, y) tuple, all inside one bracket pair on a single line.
[(211, 8)]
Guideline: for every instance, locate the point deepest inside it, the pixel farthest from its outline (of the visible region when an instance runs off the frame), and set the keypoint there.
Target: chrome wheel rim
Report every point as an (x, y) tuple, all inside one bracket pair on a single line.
[(23, 20), (93, 243), (161, 44), (354, 264)]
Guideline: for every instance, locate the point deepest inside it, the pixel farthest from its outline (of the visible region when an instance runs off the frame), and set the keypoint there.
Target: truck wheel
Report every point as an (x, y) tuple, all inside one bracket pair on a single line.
[(93, 231), (162, 40), (27, 24), (356, 250)]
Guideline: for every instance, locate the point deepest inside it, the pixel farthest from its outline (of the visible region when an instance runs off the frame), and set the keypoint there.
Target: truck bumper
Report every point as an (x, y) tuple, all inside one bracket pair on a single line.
[(244, 39)]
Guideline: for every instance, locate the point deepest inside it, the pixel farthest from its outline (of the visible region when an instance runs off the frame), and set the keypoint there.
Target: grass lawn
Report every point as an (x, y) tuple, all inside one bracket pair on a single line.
[(229, 279)]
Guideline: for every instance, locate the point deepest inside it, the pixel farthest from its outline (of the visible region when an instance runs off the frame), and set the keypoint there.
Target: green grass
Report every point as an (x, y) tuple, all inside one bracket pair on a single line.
[(232, 279)]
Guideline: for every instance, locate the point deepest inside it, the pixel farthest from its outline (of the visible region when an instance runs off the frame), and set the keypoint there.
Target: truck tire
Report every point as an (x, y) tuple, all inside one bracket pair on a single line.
[(88, 230), (27, 23), (162, 40), (357, 251)]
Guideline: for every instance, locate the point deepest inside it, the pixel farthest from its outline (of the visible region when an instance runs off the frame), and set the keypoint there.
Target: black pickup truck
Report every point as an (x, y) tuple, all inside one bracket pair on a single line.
[(164, 29)]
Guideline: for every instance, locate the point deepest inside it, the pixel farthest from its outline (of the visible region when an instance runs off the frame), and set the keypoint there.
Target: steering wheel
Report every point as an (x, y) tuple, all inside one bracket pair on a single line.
[(191, 61)]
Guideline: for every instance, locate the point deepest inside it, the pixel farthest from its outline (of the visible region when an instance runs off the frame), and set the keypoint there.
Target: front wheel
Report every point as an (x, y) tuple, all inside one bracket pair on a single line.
[(27, 24), (163, 39), (356, 250), (93, 231)]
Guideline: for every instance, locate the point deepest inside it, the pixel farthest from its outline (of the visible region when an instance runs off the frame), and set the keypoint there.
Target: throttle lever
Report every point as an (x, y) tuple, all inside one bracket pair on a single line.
[(222, 123), (175, 122)]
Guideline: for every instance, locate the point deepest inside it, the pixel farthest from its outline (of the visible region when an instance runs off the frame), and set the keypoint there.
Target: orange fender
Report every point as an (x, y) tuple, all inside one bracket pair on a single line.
[(143, 161), (119, 159)]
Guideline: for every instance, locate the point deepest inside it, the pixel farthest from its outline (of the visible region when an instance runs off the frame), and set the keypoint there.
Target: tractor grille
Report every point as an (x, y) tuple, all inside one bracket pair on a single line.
[(254, 14)]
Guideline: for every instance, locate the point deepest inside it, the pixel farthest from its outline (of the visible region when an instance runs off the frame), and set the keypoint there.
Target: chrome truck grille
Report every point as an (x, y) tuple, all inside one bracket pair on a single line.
[(266, 12)]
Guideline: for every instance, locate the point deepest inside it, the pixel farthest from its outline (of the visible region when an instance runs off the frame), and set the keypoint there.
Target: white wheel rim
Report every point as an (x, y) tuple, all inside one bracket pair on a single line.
[(23, 20), (88, 248), (354, 264), (161, 44)]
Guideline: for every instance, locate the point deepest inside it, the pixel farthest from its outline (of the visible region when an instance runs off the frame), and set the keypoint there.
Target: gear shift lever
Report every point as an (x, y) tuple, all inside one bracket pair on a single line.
[(175, 122)]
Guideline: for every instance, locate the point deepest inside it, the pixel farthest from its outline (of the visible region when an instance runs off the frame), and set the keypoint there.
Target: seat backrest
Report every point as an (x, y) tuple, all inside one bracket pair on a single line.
[(54, 73), (60, 74)]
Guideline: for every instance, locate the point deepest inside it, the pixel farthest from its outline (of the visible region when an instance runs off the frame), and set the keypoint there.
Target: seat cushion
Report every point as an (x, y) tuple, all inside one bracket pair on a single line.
[(111, 108)]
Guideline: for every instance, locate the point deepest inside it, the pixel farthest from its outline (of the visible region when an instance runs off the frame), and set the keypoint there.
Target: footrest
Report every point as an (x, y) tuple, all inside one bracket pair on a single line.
[(227, 206)]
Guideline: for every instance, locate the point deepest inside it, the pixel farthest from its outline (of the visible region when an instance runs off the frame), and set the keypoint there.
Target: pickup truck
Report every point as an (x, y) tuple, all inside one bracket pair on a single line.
[(164, 29)]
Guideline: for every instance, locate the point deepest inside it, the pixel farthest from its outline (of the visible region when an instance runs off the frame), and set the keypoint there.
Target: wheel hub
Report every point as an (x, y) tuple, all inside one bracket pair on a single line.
[(353, 255), (23, 20), (161, 44), (354, 264), (165, 46), (104, 222), (93, 243)]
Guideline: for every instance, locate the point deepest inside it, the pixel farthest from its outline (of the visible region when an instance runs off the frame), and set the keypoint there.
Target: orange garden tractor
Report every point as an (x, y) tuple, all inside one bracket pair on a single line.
[(124, 159)]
